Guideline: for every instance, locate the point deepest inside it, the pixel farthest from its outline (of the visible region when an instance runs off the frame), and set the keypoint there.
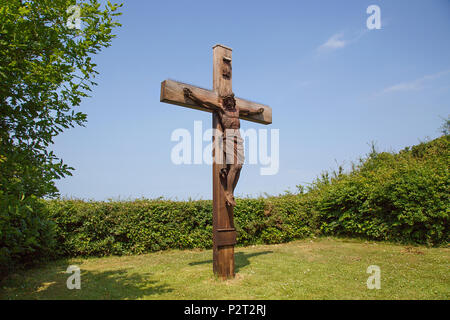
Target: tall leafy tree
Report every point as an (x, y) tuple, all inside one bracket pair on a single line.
[(46, 68)]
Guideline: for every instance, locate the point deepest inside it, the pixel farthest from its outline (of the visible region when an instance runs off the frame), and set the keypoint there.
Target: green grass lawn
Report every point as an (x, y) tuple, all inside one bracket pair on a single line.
[(324, 268)]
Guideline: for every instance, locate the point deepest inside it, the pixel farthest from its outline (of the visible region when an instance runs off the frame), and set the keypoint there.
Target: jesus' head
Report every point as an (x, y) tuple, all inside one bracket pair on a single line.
[(229, 103)]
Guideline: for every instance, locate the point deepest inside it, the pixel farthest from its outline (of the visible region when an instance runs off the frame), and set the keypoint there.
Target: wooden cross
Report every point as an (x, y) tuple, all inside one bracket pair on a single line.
[(173, 92)]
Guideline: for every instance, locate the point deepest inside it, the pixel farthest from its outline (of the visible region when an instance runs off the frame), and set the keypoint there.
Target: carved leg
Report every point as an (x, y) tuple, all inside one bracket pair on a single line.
[(232, 179), (234, 171), (224, 173), (236, 178)]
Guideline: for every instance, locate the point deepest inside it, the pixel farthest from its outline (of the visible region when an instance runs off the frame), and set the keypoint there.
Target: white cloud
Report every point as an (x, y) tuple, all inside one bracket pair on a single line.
[(335, 42), (305, 83), (405, 86), (413, 85)]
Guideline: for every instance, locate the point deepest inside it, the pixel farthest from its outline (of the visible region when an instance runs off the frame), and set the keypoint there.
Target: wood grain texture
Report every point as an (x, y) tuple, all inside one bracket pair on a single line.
[(225, 237), (223, 256), (172, 93)]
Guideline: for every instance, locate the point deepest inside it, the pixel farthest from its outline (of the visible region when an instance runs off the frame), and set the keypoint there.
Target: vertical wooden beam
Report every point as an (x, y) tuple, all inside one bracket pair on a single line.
[(223, 224)]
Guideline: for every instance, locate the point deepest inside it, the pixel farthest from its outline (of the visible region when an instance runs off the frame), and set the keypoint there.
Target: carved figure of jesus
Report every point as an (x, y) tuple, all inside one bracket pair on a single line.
[(233, 147)]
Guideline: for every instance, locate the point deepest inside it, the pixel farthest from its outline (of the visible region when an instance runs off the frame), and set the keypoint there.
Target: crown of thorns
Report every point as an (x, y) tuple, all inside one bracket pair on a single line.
[(228, 97)]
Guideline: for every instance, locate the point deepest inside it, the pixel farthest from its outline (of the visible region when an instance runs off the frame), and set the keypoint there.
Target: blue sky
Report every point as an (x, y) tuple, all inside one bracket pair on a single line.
[(333, 85)]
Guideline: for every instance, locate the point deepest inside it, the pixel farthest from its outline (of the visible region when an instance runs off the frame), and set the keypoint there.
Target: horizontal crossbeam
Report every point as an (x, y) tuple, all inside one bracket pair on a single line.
[(172, 92)]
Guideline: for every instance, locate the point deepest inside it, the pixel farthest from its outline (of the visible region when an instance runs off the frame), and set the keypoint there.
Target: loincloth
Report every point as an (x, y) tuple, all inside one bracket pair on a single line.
[(234, 148)]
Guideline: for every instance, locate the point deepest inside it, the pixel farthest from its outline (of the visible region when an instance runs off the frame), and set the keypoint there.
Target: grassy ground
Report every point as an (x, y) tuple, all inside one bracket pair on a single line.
[(309, 269)]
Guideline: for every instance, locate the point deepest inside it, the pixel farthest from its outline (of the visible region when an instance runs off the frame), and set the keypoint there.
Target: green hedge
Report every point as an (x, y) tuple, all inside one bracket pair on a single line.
[(27, 235), (133, 227), (397, 197)]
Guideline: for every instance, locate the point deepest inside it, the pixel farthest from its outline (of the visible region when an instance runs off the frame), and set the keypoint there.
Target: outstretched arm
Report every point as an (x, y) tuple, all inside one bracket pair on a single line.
[(248, 112), (188, 94)]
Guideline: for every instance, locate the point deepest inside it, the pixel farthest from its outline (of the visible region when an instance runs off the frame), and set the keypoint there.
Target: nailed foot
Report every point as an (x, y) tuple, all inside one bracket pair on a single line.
[(229, 199)]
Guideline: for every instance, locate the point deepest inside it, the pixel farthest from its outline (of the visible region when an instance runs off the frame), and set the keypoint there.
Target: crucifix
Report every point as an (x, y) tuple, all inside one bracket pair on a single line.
[(228, 153)]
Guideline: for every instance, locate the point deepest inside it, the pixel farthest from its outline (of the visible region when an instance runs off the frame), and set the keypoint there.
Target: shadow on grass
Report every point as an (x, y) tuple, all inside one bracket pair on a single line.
[(95, 285), (241, 259), (121, 284)]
